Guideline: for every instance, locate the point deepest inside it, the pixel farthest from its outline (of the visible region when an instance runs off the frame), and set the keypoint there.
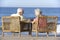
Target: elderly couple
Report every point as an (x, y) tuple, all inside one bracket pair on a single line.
[(20, 12)]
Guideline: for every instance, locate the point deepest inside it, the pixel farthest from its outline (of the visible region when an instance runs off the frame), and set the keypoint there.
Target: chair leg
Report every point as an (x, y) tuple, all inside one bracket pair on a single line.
[(31, 33), (2, 34), (19, 34), (55, 34), (36, 33), (47, 34), (12, 34)]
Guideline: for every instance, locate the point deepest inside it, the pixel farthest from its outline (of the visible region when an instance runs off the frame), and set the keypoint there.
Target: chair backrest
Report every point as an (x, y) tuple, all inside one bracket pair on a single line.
[(42, 22), (11, 24), (15, 24), (52, 22), (6, 23), (52, 19)]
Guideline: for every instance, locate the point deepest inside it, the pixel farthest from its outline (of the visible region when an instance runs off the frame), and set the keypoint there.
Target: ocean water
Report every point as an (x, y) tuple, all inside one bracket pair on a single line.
[(29, 12)]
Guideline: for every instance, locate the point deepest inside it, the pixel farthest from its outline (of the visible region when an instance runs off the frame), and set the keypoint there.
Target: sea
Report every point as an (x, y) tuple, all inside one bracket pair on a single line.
[(29, 12)]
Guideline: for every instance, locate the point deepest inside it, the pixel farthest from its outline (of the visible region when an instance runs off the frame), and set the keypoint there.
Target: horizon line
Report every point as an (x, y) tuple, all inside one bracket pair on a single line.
[(42, 7)]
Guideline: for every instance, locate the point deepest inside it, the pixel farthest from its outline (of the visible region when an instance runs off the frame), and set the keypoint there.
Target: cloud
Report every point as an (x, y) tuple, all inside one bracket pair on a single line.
[(29, 3)]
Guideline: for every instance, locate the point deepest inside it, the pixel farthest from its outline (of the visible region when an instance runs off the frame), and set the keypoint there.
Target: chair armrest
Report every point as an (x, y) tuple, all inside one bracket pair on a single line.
[(34, 26)]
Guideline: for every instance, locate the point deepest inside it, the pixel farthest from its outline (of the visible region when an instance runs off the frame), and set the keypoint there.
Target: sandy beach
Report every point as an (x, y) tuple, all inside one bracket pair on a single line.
[(25, 36), (28, 38)]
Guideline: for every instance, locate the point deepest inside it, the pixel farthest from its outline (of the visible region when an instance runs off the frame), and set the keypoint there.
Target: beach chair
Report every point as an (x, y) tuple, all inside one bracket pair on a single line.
[(52, 24), (14, 25), (45, 24), (10, 24), (41, 25)]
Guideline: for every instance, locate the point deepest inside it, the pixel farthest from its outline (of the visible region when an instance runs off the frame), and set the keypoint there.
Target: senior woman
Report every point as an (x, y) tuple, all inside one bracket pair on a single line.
[(38, 12)]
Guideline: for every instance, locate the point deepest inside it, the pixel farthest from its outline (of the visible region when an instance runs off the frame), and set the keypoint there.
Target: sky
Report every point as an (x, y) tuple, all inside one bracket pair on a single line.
[(29, 3)]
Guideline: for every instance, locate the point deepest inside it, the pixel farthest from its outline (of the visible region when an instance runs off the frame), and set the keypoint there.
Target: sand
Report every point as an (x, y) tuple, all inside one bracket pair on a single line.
[(27, 37)]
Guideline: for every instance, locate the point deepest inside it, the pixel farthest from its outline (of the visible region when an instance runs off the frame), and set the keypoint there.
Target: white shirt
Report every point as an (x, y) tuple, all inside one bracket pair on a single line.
[(18, 15)]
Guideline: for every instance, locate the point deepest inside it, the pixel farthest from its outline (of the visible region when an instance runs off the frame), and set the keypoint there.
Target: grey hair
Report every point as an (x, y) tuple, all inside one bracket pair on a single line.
[(39, 10), (19, 9)]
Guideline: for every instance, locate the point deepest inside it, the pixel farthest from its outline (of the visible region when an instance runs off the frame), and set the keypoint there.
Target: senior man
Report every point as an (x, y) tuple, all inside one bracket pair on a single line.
[(24, 26), (20, 12)]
